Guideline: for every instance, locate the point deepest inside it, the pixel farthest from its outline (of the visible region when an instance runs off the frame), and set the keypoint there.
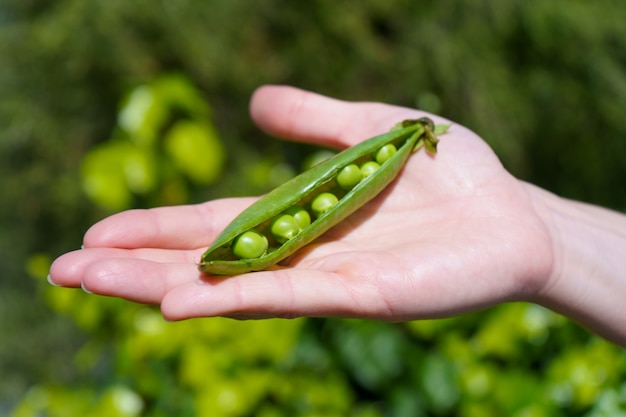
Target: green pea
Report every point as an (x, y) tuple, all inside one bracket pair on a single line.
[(384, 153), (368, 168), (302, 217), (322, 203), (284, 227), (349, 176), (250, 245)]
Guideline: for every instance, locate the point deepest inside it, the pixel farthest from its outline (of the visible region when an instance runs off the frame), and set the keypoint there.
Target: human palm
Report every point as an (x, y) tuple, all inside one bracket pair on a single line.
[(454, 232)]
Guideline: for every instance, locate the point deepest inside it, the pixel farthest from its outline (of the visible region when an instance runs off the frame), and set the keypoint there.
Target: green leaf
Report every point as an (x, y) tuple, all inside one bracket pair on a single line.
[(196, 151), (177, 92), (142, 115), (114, 171)]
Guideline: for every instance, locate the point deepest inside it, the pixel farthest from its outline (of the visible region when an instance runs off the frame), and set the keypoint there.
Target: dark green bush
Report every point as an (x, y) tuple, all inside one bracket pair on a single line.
[(543, 83)]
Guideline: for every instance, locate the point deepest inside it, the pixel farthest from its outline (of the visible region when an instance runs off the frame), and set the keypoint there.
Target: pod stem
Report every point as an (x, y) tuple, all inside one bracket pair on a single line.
[(426, 133)]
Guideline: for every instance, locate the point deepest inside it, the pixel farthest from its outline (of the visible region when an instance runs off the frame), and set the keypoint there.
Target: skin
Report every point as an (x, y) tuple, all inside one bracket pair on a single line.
[(470, 236)]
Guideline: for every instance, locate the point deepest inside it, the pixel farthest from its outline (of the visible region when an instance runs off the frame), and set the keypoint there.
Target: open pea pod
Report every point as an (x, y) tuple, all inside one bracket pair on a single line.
[(301, 191)]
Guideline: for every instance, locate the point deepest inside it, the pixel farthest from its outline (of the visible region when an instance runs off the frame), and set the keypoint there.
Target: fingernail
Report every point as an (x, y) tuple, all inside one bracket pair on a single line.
[(82, 285), (49, 279)]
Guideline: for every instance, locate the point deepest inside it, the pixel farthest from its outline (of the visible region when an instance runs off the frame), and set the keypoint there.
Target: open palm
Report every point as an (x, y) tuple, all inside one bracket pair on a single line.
[(454, 232)]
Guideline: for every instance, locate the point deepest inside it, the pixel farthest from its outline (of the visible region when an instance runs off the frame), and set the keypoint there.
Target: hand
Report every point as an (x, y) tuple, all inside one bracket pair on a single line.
[(455, 232)]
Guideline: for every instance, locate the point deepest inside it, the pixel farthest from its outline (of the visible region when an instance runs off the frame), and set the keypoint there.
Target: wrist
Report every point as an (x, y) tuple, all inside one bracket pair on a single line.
[(587, 282)]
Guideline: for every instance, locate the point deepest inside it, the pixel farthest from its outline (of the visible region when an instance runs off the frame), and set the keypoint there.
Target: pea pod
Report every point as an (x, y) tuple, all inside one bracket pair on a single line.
[(407, 137)]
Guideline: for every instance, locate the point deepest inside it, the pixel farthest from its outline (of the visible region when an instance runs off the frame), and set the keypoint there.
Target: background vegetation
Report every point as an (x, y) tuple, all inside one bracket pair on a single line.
[(105, 104)]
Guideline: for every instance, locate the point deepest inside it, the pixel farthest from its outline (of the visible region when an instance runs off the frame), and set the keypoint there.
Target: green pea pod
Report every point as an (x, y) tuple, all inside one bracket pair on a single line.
[(407, 136)]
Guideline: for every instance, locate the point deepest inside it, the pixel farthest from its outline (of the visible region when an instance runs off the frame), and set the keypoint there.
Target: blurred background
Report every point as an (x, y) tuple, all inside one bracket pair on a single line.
[(107, 105)]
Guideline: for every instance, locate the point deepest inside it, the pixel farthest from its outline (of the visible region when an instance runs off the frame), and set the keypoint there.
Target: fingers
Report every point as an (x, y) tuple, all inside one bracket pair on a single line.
[(73, 268), (292, 113), (183, 292), (179, 227)]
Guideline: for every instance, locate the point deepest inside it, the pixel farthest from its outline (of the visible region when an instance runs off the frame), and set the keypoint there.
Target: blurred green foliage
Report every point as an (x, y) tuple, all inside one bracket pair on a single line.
[(164, 140), (108, 105)]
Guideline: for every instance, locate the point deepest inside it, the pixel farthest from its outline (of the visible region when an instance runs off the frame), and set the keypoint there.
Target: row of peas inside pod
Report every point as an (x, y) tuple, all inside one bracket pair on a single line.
[(254, 243)]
